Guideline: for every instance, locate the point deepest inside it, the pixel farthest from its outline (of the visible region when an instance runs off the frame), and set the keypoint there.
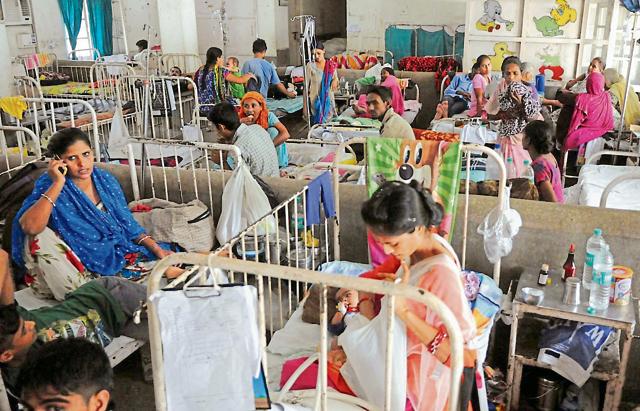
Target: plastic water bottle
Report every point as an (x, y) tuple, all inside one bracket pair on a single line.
[(601, 285), (493, 169), (511, 169), (528, 172), (595, 244)]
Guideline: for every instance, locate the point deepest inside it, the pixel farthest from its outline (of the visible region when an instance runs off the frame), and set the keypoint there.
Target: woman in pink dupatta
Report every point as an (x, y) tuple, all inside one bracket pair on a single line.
[(401, 218), (592, 115), (390, 81)]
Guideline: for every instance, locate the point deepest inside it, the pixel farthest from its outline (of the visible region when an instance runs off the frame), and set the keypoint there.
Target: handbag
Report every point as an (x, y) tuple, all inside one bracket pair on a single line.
[(189, 225)]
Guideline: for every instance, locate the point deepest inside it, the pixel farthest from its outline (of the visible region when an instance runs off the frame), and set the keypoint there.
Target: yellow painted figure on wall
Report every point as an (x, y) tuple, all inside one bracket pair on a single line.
[(560, 16)]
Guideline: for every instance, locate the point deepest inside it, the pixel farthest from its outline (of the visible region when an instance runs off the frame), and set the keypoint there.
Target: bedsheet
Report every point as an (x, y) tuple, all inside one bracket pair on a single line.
[(284, 106), (594, 178), (71, 87)]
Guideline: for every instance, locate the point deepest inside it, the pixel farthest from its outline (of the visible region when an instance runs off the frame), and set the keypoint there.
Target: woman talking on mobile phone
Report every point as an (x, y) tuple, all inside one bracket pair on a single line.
[(76, 225)]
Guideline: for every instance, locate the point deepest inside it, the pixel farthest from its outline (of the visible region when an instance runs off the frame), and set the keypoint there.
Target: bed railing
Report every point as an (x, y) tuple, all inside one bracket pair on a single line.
[(43, 114), (260, 271), (187, 62), (28, 87), (631, 175), (95, 54), (173, 103), (168, 161), (596, 156), (24, 150)]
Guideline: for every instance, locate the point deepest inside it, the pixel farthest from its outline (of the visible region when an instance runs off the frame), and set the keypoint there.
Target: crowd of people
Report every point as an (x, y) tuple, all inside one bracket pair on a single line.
[(535, 130)]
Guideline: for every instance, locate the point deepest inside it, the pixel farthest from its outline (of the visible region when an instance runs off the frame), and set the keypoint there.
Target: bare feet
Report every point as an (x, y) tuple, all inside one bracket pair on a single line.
[(445, 109), (439, 112)]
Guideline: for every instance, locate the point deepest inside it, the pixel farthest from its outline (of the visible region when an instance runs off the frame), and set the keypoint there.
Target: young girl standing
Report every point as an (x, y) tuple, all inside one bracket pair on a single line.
[(538, 141), (517, 106)]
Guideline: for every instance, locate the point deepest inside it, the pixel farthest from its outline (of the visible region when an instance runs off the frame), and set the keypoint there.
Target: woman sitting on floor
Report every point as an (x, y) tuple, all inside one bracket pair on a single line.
[(76, 223), (390, 81), (211, 80), (253, 110)]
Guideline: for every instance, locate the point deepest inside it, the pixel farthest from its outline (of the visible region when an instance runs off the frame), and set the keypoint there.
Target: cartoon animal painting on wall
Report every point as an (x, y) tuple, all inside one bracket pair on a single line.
[(492, 19), (551, 62), (501, 51), (560, 16)]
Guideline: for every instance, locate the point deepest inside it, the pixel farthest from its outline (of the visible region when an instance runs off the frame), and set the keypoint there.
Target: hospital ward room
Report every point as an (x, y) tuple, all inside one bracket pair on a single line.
[(336, 205)]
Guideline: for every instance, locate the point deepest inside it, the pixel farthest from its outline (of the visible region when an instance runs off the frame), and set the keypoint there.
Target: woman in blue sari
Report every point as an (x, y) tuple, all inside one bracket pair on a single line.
[(76, 223)]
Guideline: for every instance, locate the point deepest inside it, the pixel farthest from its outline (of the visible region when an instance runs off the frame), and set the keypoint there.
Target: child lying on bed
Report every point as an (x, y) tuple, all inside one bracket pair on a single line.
[(348, 308)]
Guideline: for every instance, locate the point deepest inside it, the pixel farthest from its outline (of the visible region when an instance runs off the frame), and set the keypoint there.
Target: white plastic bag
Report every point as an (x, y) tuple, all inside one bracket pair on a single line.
[(118, 135), (365, 347), (243, 203), (499, 228)]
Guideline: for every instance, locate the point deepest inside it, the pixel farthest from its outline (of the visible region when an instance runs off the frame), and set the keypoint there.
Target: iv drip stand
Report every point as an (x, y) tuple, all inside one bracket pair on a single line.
[(305, 89)]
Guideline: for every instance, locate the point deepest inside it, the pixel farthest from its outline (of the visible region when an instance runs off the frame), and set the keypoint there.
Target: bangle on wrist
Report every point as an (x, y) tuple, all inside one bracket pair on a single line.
[(46, 197), (143, 238)]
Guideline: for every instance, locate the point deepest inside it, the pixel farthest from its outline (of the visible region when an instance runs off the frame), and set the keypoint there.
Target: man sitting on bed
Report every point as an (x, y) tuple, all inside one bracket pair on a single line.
[(99, 310), (264, 71), (379, 102)]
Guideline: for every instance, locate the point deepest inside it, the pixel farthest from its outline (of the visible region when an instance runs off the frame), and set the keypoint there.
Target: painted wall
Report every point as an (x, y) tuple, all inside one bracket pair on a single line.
[(6, 81), (178, 17), (138, 16), (282, 26), (368, 19), (49, 27)]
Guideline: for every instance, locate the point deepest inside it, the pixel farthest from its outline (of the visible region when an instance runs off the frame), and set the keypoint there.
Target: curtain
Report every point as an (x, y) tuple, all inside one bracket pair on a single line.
[(399, 41), (72, 15), (433, 42), (459, 51), (101, 25)]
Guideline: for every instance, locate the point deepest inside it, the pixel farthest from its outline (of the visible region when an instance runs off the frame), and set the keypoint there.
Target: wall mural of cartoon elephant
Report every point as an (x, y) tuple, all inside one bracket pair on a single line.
[(492, 19), (560, 16)]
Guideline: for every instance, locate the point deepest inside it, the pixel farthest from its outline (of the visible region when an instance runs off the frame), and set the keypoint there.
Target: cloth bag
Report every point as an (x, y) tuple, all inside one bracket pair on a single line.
[(499, 228), (189, 225), (243, 204)]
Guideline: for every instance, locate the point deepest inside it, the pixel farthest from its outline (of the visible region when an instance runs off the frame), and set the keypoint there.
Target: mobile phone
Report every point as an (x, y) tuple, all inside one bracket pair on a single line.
[(61, 169)]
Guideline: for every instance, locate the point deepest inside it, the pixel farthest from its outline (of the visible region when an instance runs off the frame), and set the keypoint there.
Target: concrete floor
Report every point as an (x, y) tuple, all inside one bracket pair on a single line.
[(131, 392)]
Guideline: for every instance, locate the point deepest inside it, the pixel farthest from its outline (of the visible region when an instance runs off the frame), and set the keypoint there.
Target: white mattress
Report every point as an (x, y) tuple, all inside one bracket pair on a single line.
[(593, 180), (343, 134)]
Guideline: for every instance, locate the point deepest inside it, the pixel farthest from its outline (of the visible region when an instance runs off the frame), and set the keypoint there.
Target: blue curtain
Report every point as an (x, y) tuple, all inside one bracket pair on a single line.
[(433, 43), (72, 15), (399, 41), (101, 25)]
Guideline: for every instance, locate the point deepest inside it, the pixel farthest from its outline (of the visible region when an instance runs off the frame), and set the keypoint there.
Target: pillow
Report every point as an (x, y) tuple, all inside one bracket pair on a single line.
[(311, 308)]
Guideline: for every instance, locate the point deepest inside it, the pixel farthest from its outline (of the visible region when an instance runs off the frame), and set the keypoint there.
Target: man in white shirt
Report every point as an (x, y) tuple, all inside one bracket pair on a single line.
[(379, 106)]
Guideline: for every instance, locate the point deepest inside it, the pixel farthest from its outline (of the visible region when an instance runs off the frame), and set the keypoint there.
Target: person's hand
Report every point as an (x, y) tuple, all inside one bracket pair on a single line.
[(57, 170), (571, 83), (517, 98), (162, 253), (291, 94), (557, 103), (247, 120)]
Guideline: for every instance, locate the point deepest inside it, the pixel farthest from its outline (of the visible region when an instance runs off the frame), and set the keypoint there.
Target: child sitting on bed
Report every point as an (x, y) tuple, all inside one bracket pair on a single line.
[(538, 141), (360, 107), (347, 308)]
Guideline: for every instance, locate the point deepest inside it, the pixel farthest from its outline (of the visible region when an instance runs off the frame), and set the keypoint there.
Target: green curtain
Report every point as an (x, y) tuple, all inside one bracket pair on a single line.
[(459, 51), (399, 41), (101, 25), (72, 15), (432, 43)]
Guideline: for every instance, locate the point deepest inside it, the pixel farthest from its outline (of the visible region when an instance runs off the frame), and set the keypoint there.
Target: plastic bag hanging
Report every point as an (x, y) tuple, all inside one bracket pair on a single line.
[(499, 228), (118, 135)]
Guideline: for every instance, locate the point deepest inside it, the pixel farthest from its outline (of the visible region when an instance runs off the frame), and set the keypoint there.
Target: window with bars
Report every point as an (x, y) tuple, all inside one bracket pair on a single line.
[(84, 45)]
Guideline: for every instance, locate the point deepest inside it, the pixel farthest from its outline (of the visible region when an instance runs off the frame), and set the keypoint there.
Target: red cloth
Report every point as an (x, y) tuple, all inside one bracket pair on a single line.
[(309, 377), (592, 115)]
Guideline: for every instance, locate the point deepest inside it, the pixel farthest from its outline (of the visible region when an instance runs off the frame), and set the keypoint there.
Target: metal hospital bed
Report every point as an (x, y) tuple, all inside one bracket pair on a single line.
[(607, 186), (278, 262)]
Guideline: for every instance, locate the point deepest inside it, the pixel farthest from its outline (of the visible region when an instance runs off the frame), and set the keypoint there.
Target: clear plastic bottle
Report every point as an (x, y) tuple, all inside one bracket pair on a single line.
[(493, 169), (528, 172), (601, 285), (511, 169), (595, 244)]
